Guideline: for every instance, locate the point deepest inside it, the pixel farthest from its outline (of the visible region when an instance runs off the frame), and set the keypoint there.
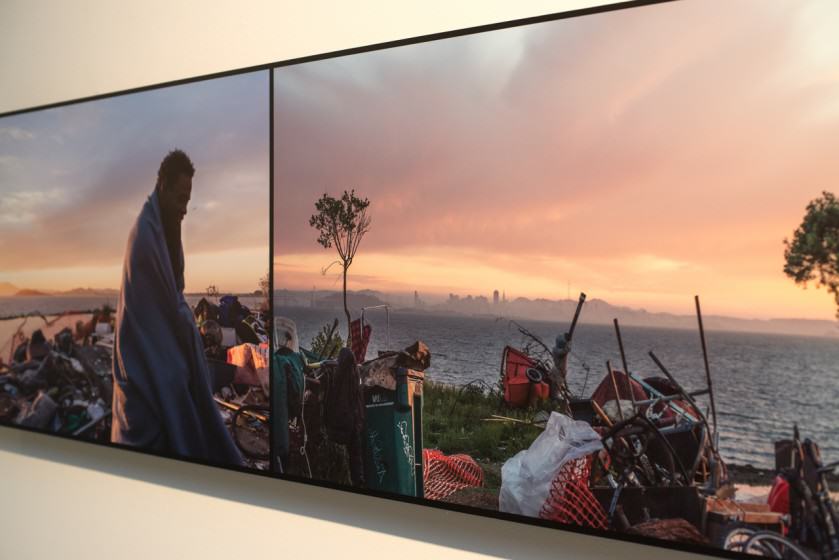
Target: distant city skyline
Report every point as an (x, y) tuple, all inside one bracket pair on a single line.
[(641, 156), (595, 311)]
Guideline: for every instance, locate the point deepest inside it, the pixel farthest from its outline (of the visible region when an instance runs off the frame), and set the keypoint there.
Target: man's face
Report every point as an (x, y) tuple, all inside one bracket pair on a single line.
[(176, 195)]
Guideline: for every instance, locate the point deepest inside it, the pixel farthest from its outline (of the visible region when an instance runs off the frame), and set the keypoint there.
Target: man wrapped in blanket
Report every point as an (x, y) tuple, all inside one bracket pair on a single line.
[(163, 385)]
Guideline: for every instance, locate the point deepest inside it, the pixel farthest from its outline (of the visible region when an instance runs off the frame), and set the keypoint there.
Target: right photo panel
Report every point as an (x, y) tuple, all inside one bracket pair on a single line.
[(559, 270)]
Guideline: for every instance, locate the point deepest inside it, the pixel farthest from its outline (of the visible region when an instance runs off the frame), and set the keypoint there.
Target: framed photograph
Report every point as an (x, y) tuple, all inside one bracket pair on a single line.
[(552, 271), (134, 278), (563, 260)]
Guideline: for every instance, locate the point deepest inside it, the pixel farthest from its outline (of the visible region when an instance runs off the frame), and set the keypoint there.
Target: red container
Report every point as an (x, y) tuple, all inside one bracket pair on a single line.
[(519, 391)]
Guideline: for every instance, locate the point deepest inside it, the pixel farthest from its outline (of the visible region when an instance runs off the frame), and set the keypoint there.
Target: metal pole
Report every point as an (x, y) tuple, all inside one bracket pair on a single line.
[(580, 303), (707, 368), (90, 424), (603, 416), (615, 387), (236, 407), (386, 307), (681, 389), (672, 379), (625, 366), (659, 395)]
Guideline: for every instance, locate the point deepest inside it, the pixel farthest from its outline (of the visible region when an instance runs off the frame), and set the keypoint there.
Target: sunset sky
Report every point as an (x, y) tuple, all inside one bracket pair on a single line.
[(642, 156), (73, 180)]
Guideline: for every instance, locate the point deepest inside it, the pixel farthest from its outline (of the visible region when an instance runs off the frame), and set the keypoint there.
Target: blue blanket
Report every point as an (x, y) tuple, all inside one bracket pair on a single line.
[(162, 397)]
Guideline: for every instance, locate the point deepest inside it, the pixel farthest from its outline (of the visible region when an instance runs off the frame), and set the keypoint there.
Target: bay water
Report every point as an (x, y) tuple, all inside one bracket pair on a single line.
[(763, 384)]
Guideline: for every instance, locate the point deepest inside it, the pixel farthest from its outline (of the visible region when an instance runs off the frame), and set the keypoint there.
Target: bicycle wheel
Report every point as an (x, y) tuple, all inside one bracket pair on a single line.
[(736, 538), (773, 545)]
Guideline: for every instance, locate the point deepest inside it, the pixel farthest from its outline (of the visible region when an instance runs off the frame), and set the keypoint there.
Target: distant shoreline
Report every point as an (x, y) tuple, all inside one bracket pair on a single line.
[(831, 330), (116, 294), (75, 304), (108, 293)]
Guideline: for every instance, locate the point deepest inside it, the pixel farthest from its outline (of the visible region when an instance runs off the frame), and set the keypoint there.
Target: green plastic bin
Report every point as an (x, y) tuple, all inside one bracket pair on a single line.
[(393, 433)]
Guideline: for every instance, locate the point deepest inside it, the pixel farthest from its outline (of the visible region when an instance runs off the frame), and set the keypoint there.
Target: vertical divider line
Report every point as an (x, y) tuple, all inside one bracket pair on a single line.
[(270, 329)]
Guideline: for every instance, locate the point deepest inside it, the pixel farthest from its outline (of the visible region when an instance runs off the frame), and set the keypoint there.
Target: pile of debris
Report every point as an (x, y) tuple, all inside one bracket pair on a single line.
[(58, 385), (65, 384), (341, 417), (236, 346), (639, 456)]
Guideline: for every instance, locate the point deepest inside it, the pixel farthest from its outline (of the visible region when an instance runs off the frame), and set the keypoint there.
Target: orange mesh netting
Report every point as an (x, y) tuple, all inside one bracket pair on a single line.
[(570, 500), (444, 475)]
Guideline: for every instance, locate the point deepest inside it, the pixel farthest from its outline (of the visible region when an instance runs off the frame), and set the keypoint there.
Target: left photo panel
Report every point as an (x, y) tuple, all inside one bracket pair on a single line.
[(134, 259)]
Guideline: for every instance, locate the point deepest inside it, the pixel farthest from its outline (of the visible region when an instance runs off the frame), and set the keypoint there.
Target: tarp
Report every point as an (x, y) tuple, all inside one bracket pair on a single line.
[(253, 364), (527, 476), (162, 397), (359, 340)]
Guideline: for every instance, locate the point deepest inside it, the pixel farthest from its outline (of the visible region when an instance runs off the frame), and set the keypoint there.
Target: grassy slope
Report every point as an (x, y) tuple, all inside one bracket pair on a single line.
[(453, 422)]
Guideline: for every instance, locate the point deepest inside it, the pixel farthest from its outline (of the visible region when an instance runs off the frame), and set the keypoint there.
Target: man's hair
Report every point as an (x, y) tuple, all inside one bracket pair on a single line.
[(174, 164)]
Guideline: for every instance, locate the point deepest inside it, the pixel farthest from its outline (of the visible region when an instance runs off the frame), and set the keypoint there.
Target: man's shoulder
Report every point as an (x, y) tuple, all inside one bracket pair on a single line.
[(143, 226), (143, 233)]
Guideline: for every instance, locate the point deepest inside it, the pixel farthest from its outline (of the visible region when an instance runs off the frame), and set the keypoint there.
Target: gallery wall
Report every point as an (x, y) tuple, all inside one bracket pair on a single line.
[(72, 500)]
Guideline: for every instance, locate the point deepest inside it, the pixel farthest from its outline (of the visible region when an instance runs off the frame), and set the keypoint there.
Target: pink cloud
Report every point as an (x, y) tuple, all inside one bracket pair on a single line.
[(692, 132)]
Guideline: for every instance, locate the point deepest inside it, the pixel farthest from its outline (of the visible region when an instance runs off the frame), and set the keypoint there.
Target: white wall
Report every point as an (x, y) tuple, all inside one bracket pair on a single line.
[(63, 499)]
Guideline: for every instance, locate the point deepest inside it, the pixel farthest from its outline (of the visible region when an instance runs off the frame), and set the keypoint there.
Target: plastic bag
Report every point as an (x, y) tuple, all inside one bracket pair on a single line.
[(527, 476)]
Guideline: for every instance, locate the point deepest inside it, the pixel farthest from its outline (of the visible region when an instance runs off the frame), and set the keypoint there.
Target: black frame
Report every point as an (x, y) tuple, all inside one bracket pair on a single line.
[(270, 67)]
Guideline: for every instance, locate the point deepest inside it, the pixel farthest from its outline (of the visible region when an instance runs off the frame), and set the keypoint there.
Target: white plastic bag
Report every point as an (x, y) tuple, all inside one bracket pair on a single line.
[(527, 476)]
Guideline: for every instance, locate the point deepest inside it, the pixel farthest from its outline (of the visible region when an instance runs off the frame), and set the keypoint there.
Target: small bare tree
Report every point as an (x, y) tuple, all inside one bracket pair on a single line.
[(341, 223)]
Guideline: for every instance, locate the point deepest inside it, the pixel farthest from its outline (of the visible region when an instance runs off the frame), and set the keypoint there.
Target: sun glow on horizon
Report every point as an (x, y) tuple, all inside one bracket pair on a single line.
[(670, 286)]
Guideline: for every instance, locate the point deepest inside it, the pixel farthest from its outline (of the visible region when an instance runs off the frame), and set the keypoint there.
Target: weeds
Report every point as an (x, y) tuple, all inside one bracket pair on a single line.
[(455, 421)]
